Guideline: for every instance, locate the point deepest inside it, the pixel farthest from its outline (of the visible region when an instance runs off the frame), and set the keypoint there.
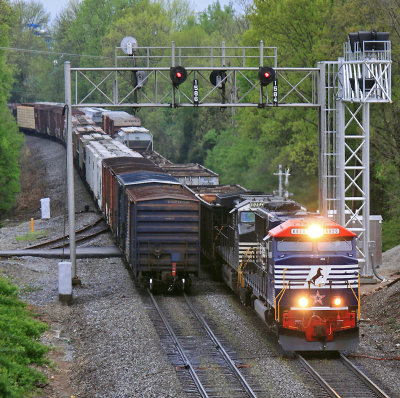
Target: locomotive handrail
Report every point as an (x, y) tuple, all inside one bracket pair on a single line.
[(242, 264), (280, 295), (259, 285), (216, 238), (224, 226), (357, 297)]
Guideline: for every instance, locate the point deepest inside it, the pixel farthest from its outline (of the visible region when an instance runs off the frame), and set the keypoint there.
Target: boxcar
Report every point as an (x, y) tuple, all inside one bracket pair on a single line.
[(162, 231)]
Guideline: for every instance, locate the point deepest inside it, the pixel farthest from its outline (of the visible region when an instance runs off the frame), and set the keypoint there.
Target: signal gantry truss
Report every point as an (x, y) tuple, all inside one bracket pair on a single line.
[(214, 77)]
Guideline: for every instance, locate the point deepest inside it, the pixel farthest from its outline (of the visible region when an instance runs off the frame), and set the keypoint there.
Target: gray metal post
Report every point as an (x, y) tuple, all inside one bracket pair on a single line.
[(172, 65), (280, 181), (261, 94), (70, 171), (115, 86), (172, 53), (322, 172), (367, 270), (340, 172), (280, 174)]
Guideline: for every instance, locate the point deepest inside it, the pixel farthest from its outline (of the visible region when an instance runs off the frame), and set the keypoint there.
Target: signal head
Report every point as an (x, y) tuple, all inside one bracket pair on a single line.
[(217, 78), (266, 75), (178, 75)]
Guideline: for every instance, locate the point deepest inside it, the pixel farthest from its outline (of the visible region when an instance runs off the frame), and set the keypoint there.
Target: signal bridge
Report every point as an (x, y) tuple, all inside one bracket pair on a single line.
[(248, 77), (208, 77)]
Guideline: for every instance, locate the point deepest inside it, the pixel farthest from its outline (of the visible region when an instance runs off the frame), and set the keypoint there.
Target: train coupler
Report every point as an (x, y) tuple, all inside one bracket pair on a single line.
[(180, 284)]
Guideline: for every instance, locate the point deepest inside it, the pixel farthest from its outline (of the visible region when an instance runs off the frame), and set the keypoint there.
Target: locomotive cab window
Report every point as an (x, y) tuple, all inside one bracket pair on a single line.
[(293, 246), (335, 246), (247, 216)]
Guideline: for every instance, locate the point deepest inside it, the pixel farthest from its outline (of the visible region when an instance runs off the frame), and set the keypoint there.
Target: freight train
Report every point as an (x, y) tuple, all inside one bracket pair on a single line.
[(154, 218), (298, 270)]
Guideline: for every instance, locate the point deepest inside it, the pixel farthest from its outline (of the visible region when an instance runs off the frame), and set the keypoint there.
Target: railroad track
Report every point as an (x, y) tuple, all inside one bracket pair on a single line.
[(340, 378), (82, 234), (203, 365)]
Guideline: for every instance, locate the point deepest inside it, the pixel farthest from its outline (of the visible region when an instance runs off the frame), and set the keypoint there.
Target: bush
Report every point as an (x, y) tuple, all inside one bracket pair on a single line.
[(390, 234), (20, 349)]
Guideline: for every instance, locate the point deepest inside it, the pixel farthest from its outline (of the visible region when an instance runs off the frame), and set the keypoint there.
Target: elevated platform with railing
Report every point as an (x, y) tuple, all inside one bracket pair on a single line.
[(365, 69)]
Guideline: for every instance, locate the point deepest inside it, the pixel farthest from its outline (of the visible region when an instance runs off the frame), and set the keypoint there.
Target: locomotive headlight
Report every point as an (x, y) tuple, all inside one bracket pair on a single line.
[(303, 302), (315, 231), (337, 301)]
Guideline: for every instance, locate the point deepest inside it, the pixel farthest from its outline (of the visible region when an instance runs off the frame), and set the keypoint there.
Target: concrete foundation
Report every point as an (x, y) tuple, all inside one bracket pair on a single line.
[(65, 282)]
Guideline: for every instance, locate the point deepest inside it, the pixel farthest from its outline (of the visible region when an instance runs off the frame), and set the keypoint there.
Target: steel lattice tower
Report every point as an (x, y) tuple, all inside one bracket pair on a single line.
[(347, 88)]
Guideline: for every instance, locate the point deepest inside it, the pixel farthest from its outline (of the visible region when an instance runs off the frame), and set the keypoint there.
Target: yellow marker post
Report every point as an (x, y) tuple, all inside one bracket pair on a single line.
[(32, 227)]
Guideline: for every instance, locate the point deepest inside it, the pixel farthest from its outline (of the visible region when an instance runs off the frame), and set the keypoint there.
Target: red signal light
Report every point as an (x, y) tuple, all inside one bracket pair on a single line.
[(266, 75), (178, 75)]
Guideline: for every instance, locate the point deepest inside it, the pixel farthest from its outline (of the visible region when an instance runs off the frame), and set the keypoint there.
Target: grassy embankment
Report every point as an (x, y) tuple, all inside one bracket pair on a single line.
[(20, 350)]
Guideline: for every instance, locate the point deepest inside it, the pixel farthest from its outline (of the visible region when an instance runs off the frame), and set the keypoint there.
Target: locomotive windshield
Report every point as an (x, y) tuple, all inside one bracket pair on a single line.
[(307, 246), (293, 246), (335, 246)]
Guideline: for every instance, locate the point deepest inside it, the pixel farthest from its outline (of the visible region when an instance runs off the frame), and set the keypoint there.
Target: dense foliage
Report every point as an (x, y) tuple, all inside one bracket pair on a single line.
[(10, 138), (19, 348), (244, 146)]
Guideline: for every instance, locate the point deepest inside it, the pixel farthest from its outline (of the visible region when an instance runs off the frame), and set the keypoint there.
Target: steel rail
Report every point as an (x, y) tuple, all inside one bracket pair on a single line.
[(318, 377), (49, 242), (192, 371), (365, 378), (353, 368), (83, 238), (214, 338)]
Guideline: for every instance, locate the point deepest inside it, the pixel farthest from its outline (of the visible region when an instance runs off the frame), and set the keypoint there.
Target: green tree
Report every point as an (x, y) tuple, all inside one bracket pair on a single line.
[(178, 134), (384, 15), (19, 349), (30, 32), (10, 138), (287, 136), (381, 15), (317, 34)]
